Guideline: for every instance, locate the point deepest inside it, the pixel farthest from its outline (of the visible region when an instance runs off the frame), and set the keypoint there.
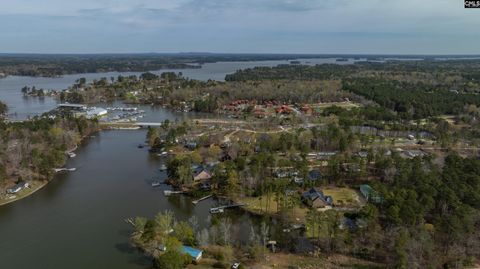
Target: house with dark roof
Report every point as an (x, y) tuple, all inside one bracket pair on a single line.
[(314, 175), (362, 154), (191, 145), (316, 199), (18, 187)]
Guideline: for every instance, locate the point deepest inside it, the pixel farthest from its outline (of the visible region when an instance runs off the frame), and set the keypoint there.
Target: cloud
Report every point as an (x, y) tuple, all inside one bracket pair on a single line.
[(239, 25)]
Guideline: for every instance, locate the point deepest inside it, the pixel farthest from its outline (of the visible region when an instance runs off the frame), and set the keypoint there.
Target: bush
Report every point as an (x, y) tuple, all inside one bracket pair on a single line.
[(172, 260), (220, 265)]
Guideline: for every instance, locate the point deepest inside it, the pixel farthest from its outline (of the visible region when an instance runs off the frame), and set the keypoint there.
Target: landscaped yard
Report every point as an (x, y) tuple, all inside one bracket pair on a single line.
[(259, 205), (344, 196)]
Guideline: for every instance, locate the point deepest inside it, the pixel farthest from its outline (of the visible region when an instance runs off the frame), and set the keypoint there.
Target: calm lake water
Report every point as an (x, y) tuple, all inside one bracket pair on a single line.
[(21, 107), (77, 220)]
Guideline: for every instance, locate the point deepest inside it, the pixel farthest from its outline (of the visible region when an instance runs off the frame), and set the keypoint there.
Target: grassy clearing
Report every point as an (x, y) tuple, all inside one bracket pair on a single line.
[(286, 261), (346, 105), (258, 205), (344, 196)]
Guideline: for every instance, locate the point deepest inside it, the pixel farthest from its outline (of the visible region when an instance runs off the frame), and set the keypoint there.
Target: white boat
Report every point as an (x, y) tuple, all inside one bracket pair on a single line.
[(163, 154), (162, 167), (216, 210), (156, 184), (71, 154)]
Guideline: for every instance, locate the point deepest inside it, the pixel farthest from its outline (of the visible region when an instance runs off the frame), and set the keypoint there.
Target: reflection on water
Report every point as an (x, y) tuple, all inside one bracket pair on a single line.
[(82, 213)]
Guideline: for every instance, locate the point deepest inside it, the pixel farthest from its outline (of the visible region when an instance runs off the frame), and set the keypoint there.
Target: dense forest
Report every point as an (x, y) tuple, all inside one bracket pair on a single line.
[(413, 89), (411, 101), (175, 90), (31, 149)]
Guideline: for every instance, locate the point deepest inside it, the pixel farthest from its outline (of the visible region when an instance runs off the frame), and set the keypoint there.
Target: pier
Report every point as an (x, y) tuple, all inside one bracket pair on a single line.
[(64, 170), (221, 209), (131, 125), (201, 199), (168, 192)]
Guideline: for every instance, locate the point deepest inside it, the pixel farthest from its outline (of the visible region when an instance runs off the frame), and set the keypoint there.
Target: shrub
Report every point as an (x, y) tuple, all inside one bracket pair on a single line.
[(220, 265)]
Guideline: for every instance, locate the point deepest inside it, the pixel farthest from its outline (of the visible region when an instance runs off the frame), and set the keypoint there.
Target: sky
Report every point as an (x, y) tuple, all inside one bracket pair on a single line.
[(239, 26)]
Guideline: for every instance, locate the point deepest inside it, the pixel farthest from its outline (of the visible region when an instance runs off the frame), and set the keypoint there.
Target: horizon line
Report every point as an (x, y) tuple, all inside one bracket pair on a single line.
[(240, 53)]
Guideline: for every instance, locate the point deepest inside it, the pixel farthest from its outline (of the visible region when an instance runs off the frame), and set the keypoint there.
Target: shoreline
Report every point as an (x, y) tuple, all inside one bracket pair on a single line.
[(25, 195), (42, 183)]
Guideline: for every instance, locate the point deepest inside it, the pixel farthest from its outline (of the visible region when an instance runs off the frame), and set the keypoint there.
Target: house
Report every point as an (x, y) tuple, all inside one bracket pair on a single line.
[(307, 110), (370, 194), (202, 175), (196, 254), (348, 223), (162, 247), (284, 109), (298, 180), (316, 199), (314, 175), (280, 174), (191, 145), (18, 187), (362, 154)]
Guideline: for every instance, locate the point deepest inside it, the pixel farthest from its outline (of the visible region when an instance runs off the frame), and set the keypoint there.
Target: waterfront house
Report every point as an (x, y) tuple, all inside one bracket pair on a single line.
[(316, 199), (18, 187), (196, 254), (202, 175), (370, 194)]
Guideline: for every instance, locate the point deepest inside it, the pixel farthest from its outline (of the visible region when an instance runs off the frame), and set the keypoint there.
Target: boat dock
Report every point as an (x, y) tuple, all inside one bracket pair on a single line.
[(221, 209), (168, 192), (64, 170), (201, 199)]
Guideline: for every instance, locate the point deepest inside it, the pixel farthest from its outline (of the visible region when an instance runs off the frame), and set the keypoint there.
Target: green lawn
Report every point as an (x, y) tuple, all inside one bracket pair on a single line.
[(344, 196)]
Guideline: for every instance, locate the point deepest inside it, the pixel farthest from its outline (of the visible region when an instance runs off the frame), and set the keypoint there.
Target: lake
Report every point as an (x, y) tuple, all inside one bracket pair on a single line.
[(77, 220)]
